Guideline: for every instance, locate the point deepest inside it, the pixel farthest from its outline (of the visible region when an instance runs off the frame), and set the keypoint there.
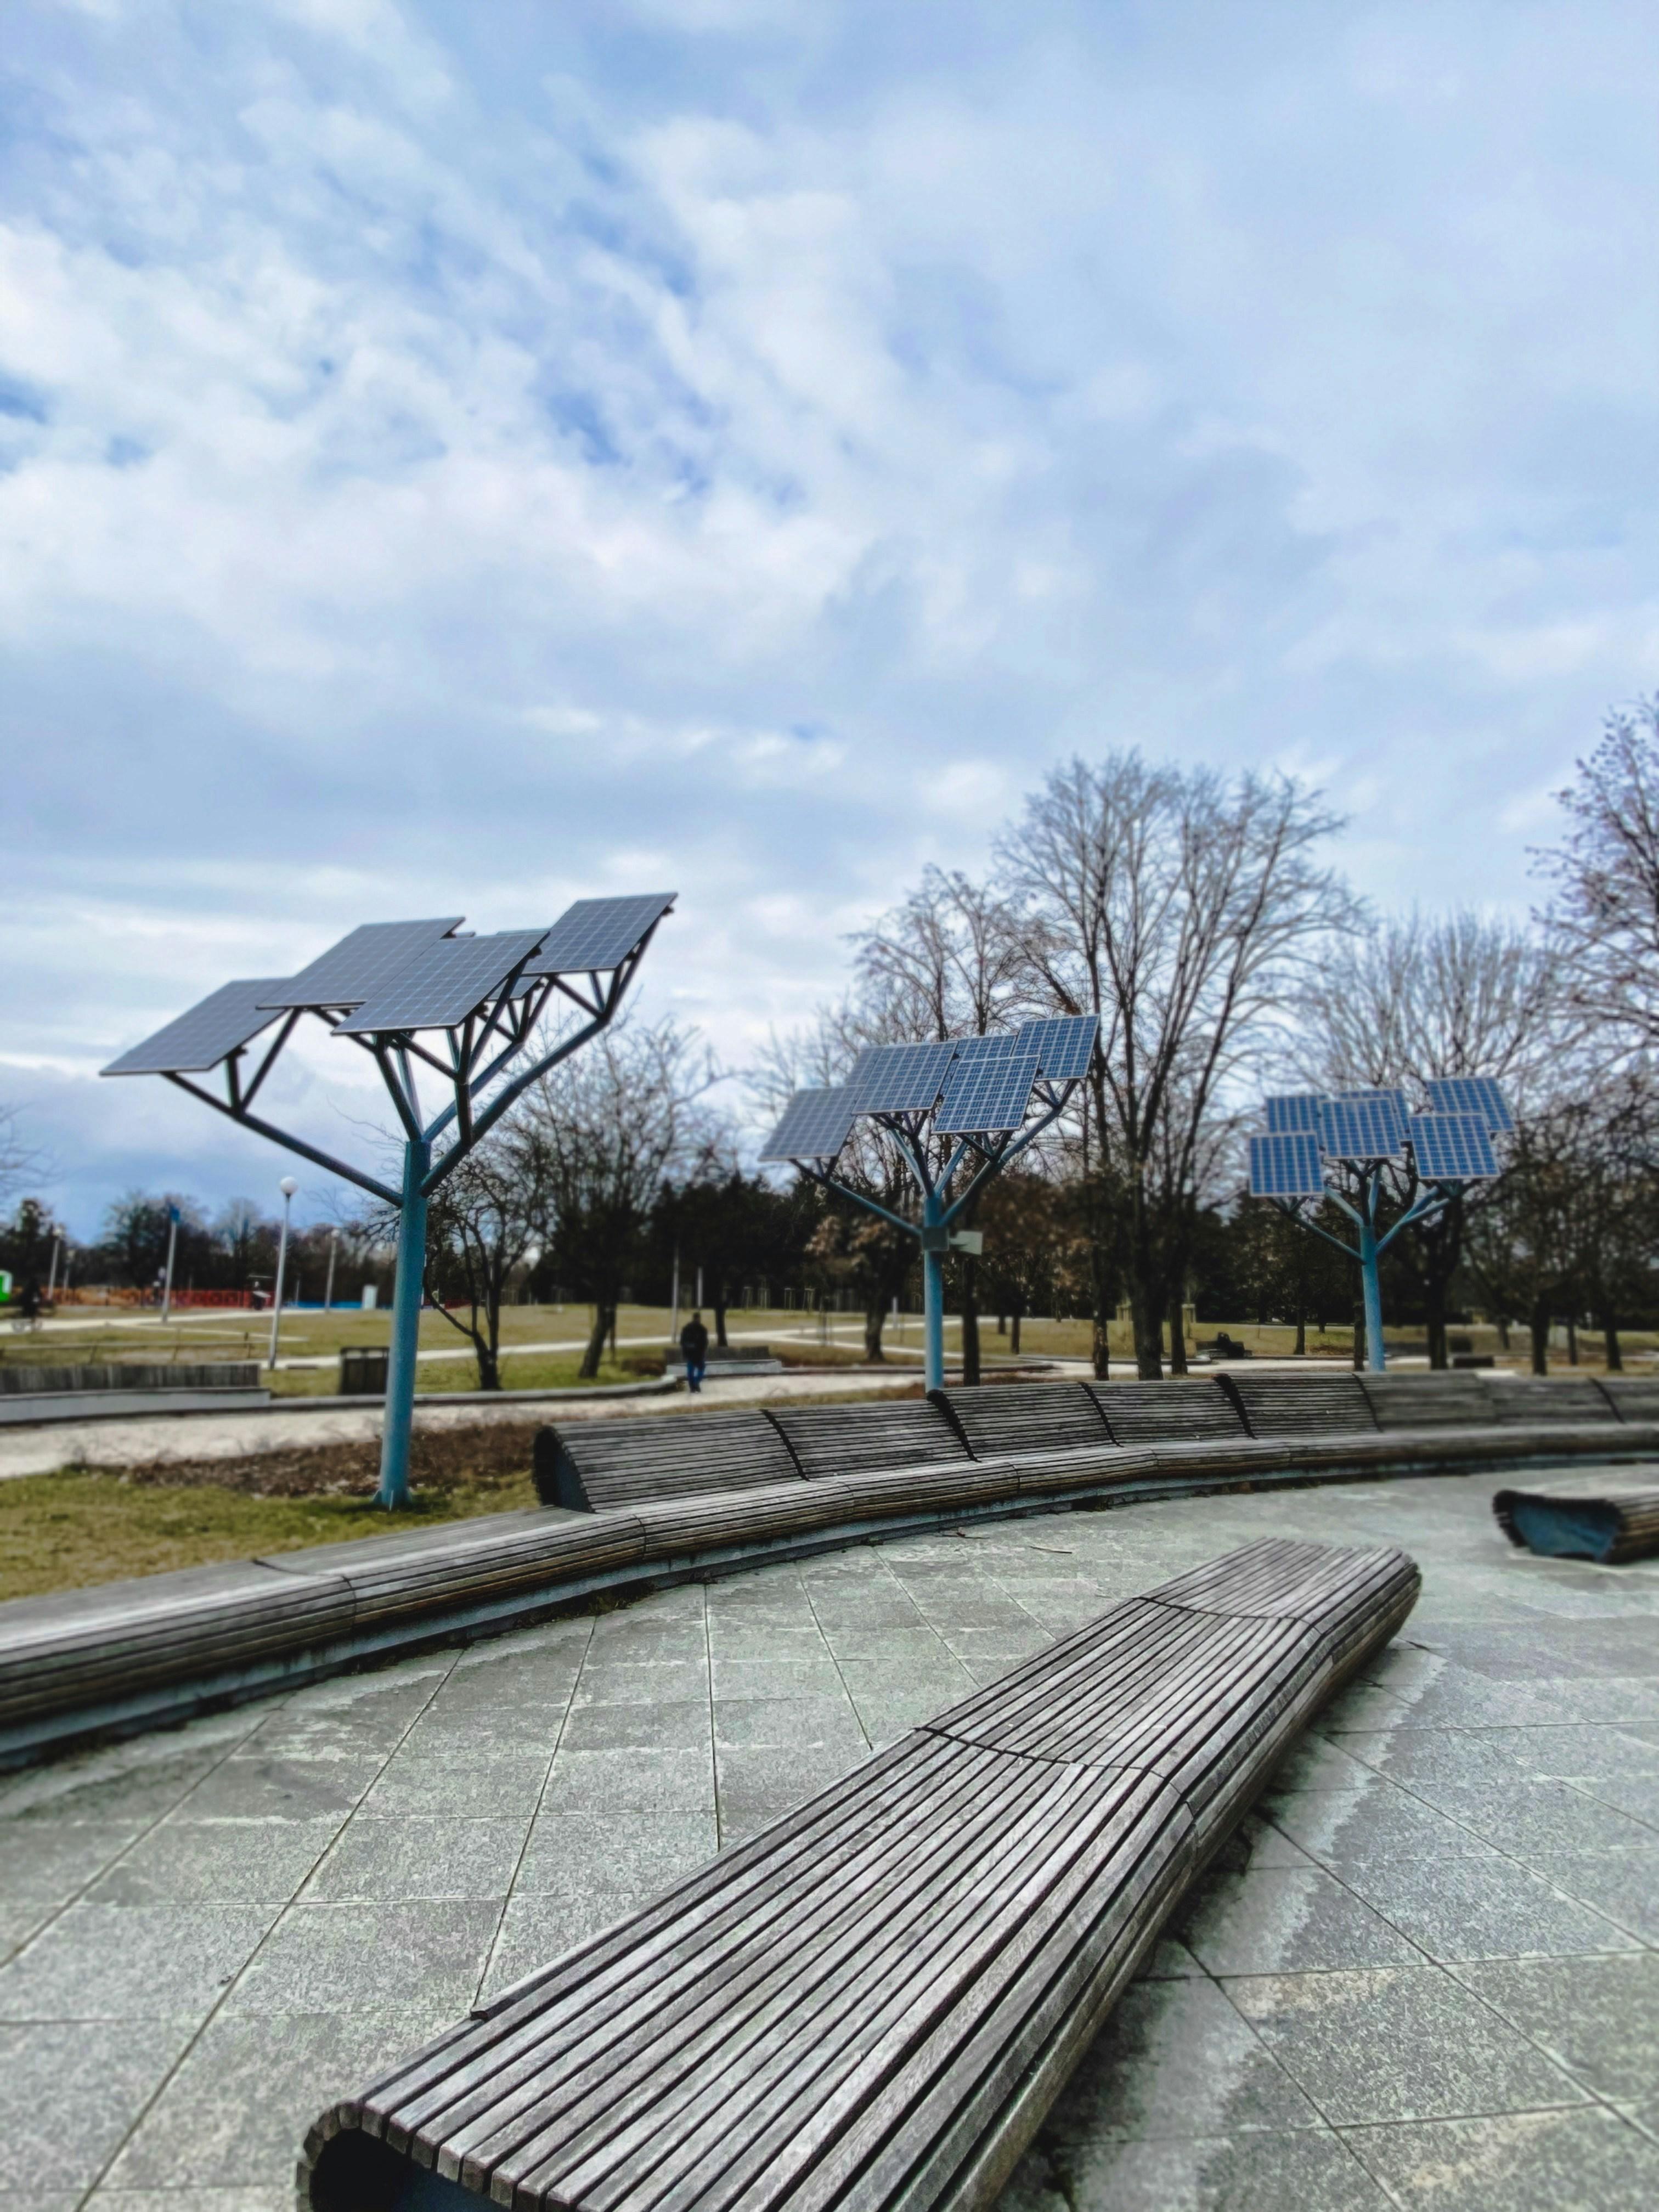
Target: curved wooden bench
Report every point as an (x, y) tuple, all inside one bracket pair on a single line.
[(1000, 1418), (1318, 1403), (1445, 1398), (1535, 1401), (1175, 1411), (874, 2002), (602, 1466), (1632, 1397), (1609, 1526), (867, 1439)]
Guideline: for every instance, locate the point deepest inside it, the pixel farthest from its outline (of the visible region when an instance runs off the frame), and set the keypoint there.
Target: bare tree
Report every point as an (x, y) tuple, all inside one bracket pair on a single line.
[(1414, 999), (1604, 917), (948, 962), (1181, 907), (19, 1161), (610, 1125), (484, 1222)]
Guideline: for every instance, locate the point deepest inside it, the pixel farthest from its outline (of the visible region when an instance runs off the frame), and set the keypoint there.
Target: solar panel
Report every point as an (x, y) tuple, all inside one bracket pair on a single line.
[(459, 974), (1285, 1163), (816, 1124), (233, 1014), (1294, 1110), (1471, 1094), (1392, 1099), (901, 1078), (1064, 1046), (1452, 1147), (368, 962), (600, 932), (988, 1093), (996, 1044), (1362, 1128)]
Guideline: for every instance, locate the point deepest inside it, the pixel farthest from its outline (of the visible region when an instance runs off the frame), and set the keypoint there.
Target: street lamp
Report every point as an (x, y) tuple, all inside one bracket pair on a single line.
[(288, 1187)]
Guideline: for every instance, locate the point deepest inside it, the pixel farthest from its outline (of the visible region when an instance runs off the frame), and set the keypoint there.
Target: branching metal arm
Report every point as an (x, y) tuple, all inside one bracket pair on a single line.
[(318, 1157), (841, 1190)]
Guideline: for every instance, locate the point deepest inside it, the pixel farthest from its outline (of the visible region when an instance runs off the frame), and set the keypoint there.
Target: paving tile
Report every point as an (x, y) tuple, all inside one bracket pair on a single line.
[(243, 2197), (1624, 1885), (630, 1782), (1526, 1815), (663, 1681), (18, 1923), (237, 2109), (1376, 1822), (1524, 2162), (1312, 2171), (736, 1680), (364, 1958), (505, 1787), (254, 1787), (787, 1722), (1276, 1920), (536, 1931), (120, 1787), (1397, 2043), (389, 1861), (635, 1855), (681, 1726), (760, 1782), (1598, 2017), (1569, 1754), (215, 1861), (50, 1862), (1486, 1907), (98, 1962), (1175, 2058), (69, 2092)]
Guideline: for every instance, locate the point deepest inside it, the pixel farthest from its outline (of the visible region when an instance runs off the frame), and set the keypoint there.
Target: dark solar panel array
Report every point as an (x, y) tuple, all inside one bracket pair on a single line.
[(231, 1016), (901, 1078), (598, 934), (1287, 1165), (1296, 1110), (1064, 1045), (459, 976), (1390, 1098), (1452, 1147), (362, 966), (987, 1094), (1472, 1094), (1361, 1129), (816, 1124)]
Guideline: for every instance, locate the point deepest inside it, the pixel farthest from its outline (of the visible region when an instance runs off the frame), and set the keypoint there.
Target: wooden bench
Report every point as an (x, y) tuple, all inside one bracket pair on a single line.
[(1609, 1526), (1442, 1399), (874, 2003), (1174, 1412), (867, 1439), (1632, 1397), (1534, 1402), (1003, 1419), (1326, 1402), (603, 1466)]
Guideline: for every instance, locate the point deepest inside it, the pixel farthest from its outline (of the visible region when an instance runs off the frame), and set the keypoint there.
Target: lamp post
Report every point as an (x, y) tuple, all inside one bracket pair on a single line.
[(288, 1187), (328, 1288), (172, 1246)]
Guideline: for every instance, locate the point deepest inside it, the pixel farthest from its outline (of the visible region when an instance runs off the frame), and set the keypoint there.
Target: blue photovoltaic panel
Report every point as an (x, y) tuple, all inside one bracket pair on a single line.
[(1294, 1110), (1064, 1046), (1472, 1094), (988, 1093), (1393, 1100), (1287, 1165), (1362, 1128), (1452, 1147), (816, 1124), (371, 960), (231, 1016), (995, 1046), (459, 976), (598, 934), (901, 1078)]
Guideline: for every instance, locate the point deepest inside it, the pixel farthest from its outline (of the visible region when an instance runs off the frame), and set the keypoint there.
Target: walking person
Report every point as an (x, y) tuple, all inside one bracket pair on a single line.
[(694, 1349)]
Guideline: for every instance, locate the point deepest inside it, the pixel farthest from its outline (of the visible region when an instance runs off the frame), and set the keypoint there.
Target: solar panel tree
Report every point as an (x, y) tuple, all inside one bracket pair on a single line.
[(1362, 1148), (958, 1111), (422, 999)]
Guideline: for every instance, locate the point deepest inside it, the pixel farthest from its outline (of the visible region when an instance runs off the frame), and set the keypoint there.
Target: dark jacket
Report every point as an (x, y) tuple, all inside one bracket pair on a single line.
[(694, 1340)]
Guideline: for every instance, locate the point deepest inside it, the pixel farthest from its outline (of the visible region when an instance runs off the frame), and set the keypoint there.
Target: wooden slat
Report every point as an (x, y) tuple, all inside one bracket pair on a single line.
[(835, 1440), (1174, 1412), (1320, 1403), (609, 1466), (874, 2003), (1536, 1402), (1001, 1418), (1452, 1397), (1632, 1397)]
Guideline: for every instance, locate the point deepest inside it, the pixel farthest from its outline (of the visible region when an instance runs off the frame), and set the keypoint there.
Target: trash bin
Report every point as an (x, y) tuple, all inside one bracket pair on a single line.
[(363, 1369)]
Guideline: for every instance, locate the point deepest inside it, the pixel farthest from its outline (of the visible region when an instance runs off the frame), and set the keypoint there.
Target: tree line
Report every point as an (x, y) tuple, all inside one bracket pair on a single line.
[(1201, 917)]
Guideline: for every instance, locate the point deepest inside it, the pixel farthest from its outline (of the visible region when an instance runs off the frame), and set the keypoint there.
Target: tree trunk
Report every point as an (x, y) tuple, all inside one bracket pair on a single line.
[(1572, 1339), (490, 1371), (1538, 1329), (875, 1314), (1301, 1333), (1436, 1302), (604, 1318), (1103, 1282), (1013, 1340), (970, 1323), (1177, 1336), (1002, 1324), (1610, 1338), (719, 1314), (1503, 1333)]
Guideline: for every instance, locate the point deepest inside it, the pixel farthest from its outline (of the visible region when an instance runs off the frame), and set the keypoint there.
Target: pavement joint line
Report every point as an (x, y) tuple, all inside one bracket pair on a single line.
[(846, 1687)]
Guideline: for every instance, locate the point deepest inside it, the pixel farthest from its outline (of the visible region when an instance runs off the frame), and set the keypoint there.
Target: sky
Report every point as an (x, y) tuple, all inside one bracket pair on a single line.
[(460, 458)]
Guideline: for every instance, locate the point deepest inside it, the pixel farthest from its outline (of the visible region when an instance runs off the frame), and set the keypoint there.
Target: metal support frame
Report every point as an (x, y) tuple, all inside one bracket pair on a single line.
[(478, 1051), (933, 1163), (1361, 1207)]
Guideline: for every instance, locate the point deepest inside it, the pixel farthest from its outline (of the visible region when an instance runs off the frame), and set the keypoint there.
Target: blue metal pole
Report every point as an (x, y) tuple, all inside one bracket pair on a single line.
[(1371, 1281), (933, 1286), (406, 1329)]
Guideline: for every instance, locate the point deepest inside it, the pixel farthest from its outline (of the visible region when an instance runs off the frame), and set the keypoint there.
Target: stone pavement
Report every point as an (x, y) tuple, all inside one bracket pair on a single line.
[(1426, 1976)]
